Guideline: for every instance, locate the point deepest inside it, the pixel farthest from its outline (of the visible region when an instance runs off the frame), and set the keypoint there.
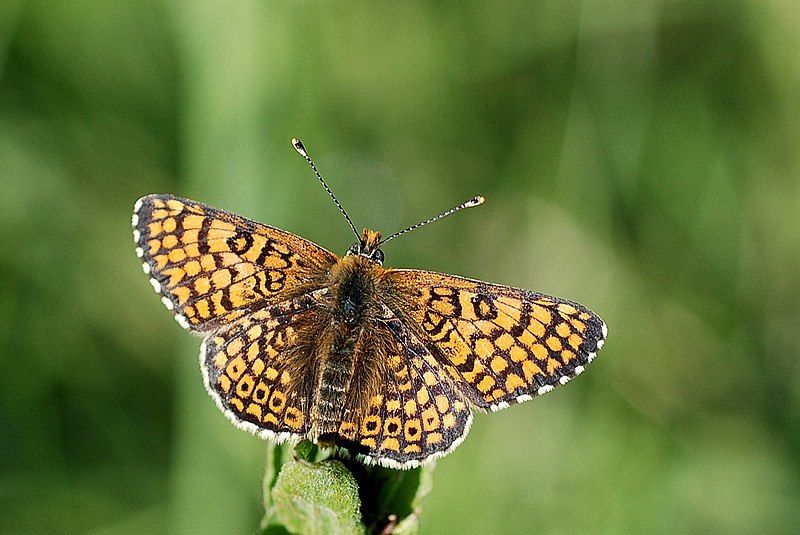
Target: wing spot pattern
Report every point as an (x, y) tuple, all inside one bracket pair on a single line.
[(506, 347)]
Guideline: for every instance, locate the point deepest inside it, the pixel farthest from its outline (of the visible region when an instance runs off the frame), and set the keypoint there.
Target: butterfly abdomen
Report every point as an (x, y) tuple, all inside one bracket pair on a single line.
[(335, 376)]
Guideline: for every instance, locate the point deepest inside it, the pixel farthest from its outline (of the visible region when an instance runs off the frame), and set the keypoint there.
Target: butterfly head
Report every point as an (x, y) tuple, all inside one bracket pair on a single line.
[(367, 246)]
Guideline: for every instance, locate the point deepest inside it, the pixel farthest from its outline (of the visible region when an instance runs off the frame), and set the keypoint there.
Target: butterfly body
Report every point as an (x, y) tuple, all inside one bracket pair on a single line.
[(387, 364), (348, 315)]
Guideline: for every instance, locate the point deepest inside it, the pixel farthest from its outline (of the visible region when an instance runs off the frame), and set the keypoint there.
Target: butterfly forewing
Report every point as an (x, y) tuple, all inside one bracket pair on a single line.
[(498, 344), (211, 266)]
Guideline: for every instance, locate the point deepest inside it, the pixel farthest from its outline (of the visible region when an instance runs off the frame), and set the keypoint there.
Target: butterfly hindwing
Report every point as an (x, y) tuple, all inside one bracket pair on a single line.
[(211, 267), (414, 415), (257, 368), (501, 345)]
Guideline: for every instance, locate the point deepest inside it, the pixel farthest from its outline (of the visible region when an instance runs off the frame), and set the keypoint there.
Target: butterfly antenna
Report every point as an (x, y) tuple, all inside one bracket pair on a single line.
[(475, 201), (301, 149)]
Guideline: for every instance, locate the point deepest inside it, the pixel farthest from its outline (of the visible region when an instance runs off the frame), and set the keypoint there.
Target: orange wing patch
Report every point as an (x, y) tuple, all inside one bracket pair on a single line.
[(501, 345), (255, 369), (211, 267)]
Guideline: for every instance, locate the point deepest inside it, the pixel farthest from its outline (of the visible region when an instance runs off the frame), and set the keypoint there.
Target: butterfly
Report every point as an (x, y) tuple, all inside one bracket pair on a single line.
[(385, 364)]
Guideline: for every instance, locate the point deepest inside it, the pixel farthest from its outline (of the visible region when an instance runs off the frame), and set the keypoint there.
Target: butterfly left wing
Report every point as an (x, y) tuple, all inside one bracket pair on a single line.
[(211, 266), (500, 345)]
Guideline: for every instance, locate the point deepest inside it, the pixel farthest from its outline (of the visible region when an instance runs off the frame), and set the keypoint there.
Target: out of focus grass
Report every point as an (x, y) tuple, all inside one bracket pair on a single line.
[(639, 158)]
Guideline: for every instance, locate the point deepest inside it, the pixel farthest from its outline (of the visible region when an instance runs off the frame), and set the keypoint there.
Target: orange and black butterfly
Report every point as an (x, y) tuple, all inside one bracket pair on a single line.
[(387, 364)]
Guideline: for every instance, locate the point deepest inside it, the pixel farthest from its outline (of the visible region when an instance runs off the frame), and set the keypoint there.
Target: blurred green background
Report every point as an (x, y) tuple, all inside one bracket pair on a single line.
[(639, 157)]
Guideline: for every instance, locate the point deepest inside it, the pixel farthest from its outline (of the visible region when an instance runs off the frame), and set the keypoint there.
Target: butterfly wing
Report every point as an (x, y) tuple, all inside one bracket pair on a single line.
[(500, 345), (212, 267), (257, 368), (413, 413)]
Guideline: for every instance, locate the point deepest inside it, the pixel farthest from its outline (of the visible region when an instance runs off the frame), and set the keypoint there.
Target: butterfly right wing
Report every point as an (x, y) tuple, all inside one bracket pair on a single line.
[(259, 369), (212, 267), (500, 345)]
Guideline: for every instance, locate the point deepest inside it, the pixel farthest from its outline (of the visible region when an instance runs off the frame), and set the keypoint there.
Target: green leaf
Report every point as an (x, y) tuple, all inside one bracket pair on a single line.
[(392, 496), (305, 450), (274, 460), (331, 496), (314, 498)]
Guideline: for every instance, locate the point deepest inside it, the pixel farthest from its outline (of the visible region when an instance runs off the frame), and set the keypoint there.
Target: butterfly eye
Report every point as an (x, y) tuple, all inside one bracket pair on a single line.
[(354, 249), (378, 256)]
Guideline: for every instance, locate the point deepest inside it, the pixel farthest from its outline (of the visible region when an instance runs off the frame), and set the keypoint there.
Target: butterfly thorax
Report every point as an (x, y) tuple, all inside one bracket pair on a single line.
[(351, 307)]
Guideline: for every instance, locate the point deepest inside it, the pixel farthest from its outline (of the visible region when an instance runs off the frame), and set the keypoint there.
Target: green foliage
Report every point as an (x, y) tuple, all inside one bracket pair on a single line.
[(314, 498), (333, 496), (393, 495)]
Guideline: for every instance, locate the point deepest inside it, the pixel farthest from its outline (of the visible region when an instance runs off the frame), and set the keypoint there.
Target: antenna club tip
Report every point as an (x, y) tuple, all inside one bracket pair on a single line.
[(476, 201), (299, 147)]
